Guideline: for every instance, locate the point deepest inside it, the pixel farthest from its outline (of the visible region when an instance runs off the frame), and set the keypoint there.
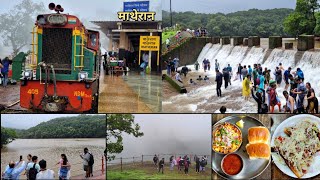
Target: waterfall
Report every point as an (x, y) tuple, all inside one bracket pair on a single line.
[(233, 55)]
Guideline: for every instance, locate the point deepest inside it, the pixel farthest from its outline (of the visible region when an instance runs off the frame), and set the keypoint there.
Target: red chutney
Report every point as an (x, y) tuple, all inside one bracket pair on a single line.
[(232, 164)]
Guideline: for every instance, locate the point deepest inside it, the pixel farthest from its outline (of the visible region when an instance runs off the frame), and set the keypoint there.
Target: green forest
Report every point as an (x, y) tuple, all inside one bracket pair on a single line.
[(82, 126), (304, 19), (254, 22)]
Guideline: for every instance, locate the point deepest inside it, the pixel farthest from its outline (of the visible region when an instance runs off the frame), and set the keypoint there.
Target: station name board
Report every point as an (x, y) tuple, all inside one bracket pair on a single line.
[(149, 43), (136, 11)]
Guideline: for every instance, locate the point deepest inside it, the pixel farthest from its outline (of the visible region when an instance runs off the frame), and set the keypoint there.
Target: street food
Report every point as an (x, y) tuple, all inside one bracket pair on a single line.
[(299, 146), (227, 138)]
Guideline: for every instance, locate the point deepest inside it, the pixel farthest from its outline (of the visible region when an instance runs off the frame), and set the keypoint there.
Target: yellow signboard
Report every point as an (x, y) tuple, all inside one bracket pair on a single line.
[(149, 43)]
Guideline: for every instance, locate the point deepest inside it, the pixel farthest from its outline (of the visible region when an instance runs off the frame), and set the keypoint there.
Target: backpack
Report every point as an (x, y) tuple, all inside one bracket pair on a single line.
[(33, 172), (258, 80), (91, 161)]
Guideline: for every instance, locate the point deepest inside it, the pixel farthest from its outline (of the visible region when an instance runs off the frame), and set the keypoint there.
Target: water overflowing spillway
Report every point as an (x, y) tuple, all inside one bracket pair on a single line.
[(203, 98), (233, 55)]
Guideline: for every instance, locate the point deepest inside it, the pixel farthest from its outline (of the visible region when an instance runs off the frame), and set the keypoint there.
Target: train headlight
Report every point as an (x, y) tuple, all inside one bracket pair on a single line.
[(82, 75), (27, 74)]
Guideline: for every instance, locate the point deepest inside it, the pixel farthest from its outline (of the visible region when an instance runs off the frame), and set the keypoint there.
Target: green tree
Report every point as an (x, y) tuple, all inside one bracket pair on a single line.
[(317, 28), (294, 24), (303, 19), (117, 124), (17, 23), (7, 136)]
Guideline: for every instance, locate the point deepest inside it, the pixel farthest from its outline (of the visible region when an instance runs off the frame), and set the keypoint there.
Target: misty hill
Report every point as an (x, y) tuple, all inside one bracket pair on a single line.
[(253, 22), (82, 126)]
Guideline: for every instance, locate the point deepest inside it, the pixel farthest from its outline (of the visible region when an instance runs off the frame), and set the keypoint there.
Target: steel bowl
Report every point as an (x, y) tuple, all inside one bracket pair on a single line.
[(215, 127)]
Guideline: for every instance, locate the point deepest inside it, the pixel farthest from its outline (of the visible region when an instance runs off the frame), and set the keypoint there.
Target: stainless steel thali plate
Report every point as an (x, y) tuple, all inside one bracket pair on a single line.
[(251, 168)]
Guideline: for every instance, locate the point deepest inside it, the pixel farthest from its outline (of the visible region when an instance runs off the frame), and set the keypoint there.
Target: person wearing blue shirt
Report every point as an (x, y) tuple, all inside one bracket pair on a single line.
[(262, 79), (13, 170), (5, 63), (300, 74), (250, 71), (301, 90), (286, 77)]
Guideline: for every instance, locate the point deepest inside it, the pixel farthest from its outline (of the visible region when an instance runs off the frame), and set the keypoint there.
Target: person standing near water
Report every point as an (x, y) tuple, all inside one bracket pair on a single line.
[(64, 167), (286, 77), (219, 82), (33, 168), (86, 159), (229, 68), (246, 87), (290, 106), (301, 92), (239, 71), (14, 169), (197, 159), (216, 65), (226, 77), (45, 174)]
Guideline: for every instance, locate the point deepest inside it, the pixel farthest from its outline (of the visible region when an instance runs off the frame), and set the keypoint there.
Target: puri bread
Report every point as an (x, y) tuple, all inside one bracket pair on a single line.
[(258, 134), (258, 150)]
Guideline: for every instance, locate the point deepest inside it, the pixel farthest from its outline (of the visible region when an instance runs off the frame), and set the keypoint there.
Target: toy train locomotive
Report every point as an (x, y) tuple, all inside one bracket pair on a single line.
[(64, 75)]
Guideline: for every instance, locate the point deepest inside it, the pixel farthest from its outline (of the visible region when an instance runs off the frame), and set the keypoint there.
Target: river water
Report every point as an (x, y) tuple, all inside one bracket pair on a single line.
[(51, 149)]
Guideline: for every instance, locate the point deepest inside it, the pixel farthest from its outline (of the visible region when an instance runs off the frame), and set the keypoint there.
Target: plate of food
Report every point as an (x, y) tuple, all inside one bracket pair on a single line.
[(240, 147), (296, 146)]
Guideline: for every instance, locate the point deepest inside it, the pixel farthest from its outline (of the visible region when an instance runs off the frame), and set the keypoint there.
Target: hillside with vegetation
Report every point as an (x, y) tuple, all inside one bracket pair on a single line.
[(82, 126), (254, 22)]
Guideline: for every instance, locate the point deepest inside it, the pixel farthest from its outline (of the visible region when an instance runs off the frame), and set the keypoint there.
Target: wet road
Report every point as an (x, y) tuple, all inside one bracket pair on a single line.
[(135, 93)]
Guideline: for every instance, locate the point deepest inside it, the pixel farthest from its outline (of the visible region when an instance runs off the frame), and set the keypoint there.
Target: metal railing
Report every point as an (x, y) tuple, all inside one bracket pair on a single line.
[(128, 162)]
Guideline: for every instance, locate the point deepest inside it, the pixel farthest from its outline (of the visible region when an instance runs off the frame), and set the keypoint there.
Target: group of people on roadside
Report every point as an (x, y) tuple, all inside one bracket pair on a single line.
[(34, 169), (181, 163)]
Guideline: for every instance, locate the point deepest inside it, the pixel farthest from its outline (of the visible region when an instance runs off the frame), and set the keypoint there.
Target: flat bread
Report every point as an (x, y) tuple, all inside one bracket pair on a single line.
[(299, 146)]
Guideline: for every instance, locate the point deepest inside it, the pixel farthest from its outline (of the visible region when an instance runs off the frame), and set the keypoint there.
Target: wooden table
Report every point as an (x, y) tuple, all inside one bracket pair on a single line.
[(265, 119)]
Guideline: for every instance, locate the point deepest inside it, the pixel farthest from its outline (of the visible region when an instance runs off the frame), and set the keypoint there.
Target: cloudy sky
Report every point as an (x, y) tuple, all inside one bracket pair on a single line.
[(90, 9), (25, 121), (225, 6), (170, 133)]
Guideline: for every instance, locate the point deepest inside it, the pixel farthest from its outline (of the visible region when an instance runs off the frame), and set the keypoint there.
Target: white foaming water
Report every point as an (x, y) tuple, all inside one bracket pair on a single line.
[(310, 65), (237, 54), (286, 57), (233, 55), (204, 51), (255, 56)]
